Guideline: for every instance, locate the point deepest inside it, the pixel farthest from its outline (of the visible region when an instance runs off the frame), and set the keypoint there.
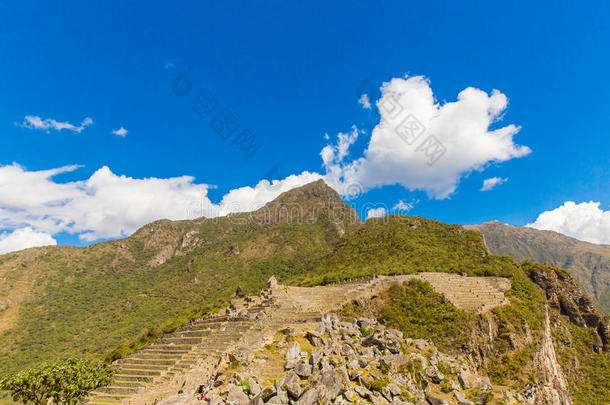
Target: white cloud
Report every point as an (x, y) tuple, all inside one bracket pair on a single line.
[(24, 238), (491, 182), (365, 101), (584, 221), (35, 122), (425, 145), (404, 206), (120, 132), (107, 205), (376, 212)]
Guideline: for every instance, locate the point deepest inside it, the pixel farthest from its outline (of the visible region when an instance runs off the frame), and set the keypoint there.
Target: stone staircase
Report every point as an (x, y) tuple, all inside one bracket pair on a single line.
[(144, 374), (172, 355)]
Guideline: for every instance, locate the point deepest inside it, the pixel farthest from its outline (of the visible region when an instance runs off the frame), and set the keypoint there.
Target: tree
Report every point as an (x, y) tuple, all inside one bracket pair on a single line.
[(65, 382), (31, 385)]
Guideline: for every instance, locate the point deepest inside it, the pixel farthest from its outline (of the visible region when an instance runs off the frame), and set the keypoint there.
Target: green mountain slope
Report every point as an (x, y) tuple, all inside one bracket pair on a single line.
[(588, 262), (62, 301)]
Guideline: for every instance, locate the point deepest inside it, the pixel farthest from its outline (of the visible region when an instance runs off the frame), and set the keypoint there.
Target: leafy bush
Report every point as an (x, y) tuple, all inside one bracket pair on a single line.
[(63, 382), (419, 312)]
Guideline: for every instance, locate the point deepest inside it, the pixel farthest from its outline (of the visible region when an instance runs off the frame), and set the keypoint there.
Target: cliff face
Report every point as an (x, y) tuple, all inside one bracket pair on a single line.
[(566, 296), (554, 388)]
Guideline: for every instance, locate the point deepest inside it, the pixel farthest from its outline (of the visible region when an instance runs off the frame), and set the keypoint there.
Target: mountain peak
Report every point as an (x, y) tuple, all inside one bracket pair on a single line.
[(309, 203)]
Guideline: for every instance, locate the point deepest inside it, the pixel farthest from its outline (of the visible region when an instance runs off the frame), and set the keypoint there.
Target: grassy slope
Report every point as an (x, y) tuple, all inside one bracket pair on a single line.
[(588, 262), (87, 301), (403, 245)]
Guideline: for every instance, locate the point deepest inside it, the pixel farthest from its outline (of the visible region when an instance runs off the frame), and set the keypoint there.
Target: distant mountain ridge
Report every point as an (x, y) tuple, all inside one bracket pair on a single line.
[(589, 263)]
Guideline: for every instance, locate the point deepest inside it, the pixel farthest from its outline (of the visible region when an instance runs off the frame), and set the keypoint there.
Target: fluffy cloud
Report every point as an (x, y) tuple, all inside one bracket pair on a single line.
[(24, 238), (120, 132), (404, 207), (35, 122), (584, 221), (365, 101), (491, 182), (424, 145), (376, 212), (107, 205)]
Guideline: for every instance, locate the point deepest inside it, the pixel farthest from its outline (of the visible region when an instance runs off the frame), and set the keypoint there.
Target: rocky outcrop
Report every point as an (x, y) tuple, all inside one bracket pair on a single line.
[(555, 386), (339, 362), (564, 294)]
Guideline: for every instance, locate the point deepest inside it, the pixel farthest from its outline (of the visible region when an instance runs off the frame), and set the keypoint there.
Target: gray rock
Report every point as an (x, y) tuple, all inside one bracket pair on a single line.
[(292, 385), (313, 396), (333, 383), (354, 374), (314, 338), (291, 331), (394, 389), (461, 399), (242, 355), (363, 392), (293, 354), (257, 400), (434, 400), (421, 344), (383, 342), (280, 392), (343, 372), (481, 383), (272, 283), (275, 400), (316, 357), (349, 328), (303, 370), (241, 376), (255, 389), (434, 374), (237, 396), (395, 332), (267, 392)]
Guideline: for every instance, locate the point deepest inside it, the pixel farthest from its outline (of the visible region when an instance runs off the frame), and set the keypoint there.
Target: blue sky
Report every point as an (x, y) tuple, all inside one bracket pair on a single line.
[(292, 72)]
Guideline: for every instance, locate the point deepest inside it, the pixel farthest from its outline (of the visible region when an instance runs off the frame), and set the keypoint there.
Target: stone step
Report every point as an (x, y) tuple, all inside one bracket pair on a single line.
[(151, 367), (116, 389), (134, 384), (135, 360), (102, 396), (178, 340), (132, 370), (126, 376)]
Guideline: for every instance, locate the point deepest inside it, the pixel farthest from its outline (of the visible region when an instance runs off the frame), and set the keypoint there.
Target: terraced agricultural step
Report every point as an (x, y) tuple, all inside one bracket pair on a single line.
[(139, 360), (109, 397), (135, 384), (116, 389), (133, 371), (150, 367)]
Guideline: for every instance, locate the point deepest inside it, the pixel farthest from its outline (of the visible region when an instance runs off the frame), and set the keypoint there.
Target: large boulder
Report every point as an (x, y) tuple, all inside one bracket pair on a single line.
[(292, 385), (383, 341), (242, 356), (272, 283), (313, 396), (333, 382), (237, 396), (303, 370), (461, 399), (314, 338), (434, 400), (293, 355)]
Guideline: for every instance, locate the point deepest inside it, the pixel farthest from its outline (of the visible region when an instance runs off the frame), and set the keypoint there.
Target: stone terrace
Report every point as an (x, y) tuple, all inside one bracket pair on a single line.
[(179, 358)]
